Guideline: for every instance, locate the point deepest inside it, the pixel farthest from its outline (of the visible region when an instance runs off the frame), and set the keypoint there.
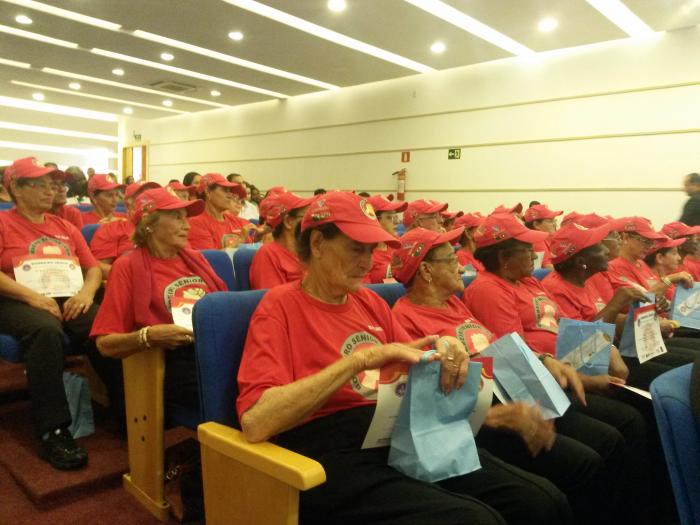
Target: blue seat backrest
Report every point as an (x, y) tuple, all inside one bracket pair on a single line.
[(468, 279), (88, 231), (390, 292), (541, 273), (121, 208), (222, 265), (84, 207), (242, 259), (6, 205), (255, 221), (680, 437), (220, 323), (400, 229)]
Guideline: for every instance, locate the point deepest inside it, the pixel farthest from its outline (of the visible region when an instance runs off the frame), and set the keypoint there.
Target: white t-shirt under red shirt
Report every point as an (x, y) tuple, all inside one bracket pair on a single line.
[(293, 335), (272, 265), (54, 237)]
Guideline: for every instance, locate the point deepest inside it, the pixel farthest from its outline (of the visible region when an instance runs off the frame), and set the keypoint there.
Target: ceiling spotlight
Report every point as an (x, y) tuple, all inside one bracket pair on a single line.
[(547, 24), (118, 71), (337, 6), (74, 85), (23, 19), (128, 110), (438, 47), (167, 56), (167, 103), (235, 35), (215, 93), (38, 96)]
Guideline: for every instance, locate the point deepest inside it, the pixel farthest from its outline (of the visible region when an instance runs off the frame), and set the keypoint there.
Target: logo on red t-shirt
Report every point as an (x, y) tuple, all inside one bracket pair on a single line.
[(231, 240), (49, 246), (473, 336), (545, 314), (366, 382), (192, 287)]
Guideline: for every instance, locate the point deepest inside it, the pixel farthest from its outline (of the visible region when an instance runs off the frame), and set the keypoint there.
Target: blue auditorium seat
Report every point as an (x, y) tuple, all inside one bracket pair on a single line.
[(221, 263), (390, 292), (88, 231), (680, 437), (6, 205), (121, 208), (541, 273), (84, 207), (220, 323), (255, 221), (400, 230), (242, 259), (468, 279)]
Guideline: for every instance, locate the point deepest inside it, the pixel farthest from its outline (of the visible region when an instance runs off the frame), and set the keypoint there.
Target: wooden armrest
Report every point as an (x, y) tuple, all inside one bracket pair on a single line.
[(280, 463)]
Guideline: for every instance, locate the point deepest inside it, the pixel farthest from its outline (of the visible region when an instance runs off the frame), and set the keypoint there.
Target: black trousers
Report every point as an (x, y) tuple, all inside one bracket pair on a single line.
[(361, 488), (41, 339)]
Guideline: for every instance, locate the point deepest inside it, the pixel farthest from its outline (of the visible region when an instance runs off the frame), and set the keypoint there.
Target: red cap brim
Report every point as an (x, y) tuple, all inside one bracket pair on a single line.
[(531, 236), (367, 234)]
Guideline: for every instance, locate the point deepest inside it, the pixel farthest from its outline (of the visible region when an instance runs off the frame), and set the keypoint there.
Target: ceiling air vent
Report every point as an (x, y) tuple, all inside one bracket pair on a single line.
[(173, 87)]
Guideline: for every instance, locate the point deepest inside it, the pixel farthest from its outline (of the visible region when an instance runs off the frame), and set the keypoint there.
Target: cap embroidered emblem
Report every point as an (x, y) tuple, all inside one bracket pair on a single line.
[(367, 209), (417, 249)]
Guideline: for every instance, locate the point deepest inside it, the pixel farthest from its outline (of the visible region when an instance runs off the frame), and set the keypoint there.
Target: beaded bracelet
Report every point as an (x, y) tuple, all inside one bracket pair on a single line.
[(143, 337)]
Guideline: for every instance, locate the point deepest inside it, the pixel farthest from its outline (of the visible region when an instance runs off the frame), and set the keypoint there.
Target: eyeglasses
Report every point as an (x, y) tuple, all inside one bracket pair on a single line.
[(452, 261), (640, 239), (42, 186)]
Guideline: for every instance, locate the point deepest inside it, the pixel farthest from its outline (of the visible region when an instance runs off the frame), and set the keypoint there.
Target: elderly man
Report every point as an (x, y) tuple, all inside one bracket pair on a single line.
[(691, 209)]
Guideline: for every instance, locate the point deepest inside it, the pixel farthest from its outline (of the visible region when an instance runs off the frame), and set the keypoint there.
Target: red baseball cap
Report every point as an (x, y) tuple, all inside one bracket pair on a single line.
[(518, 208), (421, 206), (638, 225), (415, 244), (451, 214), (381, 203), (352, 214), (679, 229), (274, 207), (570, 217), (161, 199), (276, 189), (101, 182), (28, 168), (499, 227), (179, 186), (218, 179), (572, 238), (132, 189), (469, 220), (539, 212), (668, 242)]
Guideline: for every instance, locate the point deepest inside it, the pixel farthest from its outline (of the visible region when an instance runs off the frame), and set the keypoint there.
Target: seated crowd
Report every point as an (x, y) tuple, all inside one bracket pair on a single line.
[(308, 374)]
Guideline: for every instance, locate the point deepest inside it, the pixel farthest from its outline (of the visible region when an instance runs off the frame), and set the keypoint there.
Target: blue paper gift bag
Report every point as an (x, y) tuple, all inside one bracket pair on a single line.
[(685, 307), (586, 346), (432, 439), (522, 377)]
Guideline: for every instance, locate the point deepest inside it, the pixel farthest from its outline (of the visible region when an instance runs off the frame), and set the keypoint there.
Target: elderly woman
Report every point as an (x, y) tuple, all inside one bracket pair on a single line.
[(539, 217), (515, 432), (115, 238), (59, 208), (386, 212), (182, 192), (276, 262), (38, 321), (104, 194), (320, 402), (423, 213), (217, 228), (143, 286), (465, 253), (506, 298)]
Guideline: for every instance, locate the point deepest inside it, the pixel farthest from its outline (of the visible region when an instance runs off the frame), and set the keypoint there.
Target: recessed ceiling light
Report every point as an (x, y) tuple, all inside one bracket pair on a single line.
[(215, 93), (118, 71), (168, 103), (38, 96), (64, 13), (23, 19), (36, 36), (327, 34), (58, 149), (438, 47), (547, 24), (74, 85), (56, 131), (336, 6), (56, 109), (622, 16), (167, 56), (235, 35), (128, 110)]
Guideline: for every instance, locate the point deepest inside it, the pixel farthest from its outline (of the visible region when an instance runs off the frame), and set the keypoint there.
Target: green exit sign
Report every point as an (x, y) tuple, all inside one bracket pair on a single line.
[(454, 153)]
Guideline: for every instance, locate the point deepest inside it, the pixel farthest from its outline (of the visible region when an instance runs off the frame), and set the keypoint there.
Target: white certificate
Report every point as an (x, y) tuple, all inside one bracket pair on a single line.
[(647, 333), (49, 276), (181, 309), (392, 389)]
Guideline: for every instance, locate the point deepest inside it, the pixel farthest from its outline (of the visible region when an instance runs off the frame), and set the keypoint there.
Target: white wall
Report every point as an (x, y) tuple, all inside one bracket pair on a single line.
[(610, 128)]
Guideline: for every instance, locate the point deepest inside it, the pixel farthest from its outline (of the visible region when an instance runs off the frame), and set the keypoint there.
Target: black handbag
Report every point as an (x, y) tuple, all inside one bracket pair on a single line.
[(183, 481)]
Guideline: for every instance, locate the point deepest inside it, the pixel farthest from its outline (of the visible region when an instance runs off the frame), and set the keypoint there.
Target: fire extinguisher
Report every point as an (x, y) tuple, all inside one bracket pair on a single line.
[(401, 184)]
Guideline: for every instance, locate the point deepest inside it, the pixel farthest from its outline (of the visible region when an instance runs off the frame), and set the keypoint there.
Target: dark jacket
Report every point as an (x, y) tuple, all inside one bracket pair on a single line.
[(691, 211)]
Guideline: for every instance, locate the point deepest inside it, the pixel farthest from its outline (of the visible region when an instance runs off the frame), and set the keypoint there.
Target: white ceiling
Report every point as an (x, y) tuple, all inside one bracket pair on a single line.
[(393, 25)]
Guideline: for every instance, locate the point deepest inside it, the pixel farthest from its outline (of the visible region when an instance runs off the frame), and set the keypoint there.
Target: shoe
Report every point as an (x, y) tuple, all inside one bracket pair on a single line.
[(60, 449)]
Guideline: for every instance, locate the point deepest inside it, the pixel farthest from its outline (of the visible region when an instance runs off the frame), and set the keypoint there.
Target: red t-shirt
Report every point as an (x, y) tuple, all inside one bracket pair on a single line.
[(171, 278), (206, 233), (71, 214), (273, 265), (465, 257), (54, 236), (692, 266), (623, 273), (292, 336), (90, 217), (523, 307), (455, 320), (381, 266), (582, 303), (112, 239)]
